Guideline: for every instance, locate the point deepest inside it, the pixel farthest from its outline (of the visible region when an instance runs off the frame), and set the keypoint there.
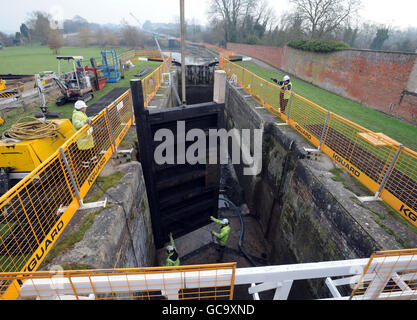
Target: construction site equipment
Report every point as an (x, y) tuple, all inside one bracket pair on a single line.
[(110, 65), (76, 84), (27, 144), (383, 165), (98, 78), (40, 80), (10, 90), (38, 208)]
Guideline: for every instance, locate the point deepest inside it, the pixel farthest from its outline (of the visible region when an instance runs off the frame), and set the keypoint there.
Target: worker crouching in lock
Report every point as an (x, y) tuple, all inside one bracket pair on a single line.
[(85, 141), (223, 236)]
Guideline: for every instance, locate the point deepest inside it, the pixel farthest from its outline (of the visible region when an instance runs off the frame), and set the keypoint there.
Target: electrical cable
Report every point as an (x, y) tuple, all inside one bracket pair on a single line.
[(242, 229), (35, 129)]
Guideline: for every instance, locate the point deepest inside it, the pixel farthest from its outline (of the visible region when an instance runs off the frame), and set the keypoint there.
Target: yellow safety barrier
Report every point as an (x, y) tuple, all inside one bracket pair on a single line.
[(152, 82), (383, 165), (197, 282), (389, 275), (34, 213)]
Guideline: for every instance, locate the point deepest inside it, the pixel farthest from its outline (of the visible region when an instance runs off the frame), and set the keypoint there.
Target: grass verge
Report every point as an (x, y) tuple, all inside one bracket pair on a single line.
[(366, 117)]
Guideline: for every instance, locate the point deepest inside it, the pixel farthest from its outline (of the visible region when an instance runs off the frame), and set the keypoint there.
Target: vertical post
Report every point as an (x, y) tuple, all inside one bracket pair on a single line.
[(71, 174), (289, 106), (388, 173), (111, 128), (251, 83), (122, 69), (146, 93), (184, 98), (243, 77), (143, 132), (324, 129), (266, 88)]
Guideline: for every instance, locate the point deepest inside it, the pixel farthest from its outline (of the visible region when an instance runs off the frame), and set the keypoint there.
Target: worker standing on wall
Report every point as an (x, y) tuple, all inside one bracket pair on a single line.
[(223, 236), (173, 258), (85, 141), (285, 94)]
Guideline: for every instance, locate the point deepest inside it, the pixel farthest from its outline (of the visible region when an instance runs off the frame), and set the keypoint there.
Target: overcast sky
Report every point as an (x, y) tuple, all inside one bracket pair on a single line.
[(398, 13)]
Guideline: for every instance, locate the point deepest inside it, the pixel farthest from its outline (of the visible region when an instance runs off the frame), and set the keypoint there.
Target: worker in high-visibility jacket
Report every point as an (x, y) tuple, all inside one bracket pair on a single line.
[(285, 94), (223, 236), (85, 141), (173, 258)]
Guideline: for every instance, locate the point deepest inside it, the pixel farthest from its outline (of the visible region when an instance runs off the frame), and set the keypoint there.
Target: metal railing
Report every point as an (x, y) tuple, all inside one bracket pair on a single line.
[(386, 275), (153, 81), (389, 275), (383, 165), (196, 282), (34, 212), (135, 54)]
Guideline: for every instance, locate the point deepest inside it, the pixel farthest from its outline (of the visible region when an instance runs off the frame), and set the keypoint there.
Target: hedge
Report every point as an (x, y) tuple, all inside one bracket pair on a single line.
[(323, 46)]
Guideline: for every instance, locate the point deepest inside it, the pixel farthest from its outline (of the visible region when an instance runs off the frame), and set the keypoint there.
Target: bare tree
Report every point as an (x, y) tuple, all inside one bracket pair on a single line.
[(240, 19), (100, 36), (55, 40), (112, 39), (39, 25), (85, 36), (131, 36), (324, 17)]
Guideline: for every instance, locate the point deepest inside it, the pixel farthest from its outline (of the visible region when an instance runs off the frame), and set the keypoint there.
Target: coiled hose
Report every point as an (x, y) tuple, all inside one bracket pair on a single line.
[(242, 229), (34, 129)]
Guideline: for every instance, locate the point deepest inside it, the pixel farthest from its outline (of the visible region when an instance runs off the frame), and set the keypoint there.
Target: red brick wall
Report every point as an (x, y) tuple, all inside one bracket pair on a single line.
[(375, 79)]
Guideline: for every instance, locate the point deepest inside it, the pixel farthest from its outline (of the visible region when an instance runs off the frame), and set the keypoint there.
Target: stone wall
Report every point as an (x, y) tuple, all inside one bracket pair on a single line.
[(303, 213), (108, 243), (377, 79)]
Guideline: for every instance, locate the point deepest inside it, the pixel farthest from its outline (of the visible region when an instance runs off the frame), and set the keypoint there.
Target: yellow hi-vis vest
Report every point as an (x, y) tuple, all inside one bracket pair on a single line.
[(85, 141), (287, 87)]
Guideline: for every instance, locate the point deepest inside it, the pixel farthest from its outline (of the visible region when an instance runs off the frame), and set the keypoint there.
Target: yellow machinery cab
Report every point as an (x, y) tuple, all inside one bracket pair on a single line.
[(20, 158)]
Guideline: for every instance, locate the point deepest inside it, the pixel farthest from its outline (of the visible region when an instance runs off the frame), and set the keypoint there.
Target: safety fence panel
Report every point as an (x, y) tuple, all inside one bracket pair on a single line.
[(34, 213), (152, 82), (389, 275), (400, 190), (382, 164), (194, 282)]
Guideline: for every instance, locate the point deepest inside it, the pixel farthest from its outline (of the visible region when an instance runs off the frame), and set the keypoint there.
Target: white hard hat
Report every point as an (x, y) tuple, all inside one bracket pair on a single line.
[(286, 78), (225, 221), (170, 248), (80, 104)]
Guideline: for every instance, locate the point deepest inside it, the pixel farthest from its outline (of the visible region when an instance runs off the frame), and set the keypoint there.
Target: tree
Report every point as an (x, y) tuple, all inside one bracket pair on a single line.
[(324, 17), (112, 39), (24, 30), (240, 19), (39, 26), (55, 40), (17, 39), (350, 35), (100, 36), (85, 36), (131, 36), (381, 36)]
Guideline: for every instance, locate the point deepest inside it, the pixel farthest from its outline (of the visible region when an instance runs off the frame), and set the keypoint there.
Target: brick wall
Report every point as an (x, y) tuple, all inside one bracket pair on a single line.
[(373, 78)]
